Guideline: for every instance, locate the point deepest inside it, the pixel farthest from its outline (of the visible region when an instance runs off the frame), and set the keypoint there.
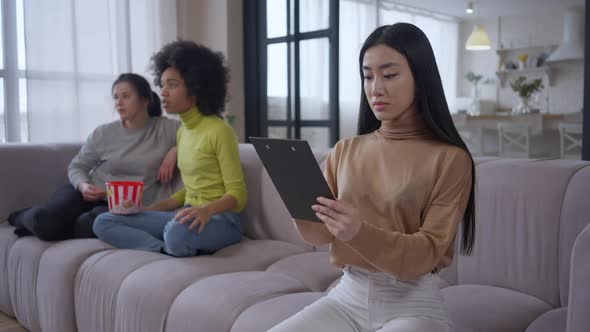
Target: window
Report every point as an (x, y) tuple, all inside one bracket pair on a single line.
[(10, 118), (61, 58), (296, 87), (294, 47)]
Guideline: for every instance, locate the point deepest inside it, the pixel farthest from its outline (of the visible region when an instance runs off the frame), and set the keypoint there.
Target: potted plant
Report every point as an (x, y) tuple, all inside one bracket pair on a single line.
[(525, 90), (475, 79)]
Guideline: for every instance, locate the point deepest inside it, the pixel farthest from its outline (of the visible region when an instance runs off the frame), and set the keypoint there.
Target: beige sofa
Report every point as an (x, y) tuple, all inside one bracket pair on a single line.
[(529, 213)]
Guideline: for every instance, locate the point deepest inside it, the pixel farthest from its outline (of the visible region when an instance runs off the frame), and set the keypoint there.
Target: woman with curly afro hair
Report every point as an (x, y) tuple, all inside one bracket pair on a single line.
[(193, 81)]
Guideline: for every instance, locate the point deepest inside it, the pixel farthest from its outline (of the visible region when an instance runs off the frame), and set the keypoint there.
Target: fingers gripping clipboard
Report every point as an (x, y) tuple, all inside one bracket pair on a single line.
[(295, 173)]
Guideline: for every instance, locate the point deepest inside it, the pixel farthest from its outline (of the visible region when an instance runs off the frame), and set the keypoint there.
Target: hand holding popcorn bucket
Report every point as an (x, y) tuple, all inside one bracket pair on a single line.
[(124, 197)]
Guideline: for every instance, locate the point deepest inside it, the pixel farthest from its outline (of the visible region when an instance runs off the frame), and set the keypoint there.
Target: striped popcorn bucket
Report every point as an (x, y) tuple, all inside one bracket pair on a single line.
[(124, 197)]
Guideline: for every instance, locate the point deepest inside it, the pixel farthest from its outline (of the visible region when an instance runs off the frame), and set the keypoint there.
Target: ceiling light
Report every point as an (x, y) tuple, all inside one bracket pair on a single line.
[(469, 9)]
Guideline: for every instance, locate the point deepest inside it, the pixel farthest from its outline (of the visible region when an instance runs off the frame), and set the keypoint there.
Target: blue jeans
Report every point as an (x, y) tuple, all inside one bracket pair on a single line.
[(157, 230)]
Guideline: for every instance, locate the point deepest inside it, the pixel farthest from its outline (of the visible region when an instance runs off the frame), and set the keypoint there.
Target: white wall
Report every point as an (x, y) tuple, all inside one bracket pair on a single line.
[(218, 25), (564, 95), (480, 62)]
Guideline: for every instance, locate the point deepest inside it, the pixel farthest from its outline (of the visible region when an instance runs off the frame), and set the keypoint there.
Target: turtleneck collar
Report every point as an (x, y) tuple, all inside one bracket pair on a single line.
[(192, 117), (409, 128)]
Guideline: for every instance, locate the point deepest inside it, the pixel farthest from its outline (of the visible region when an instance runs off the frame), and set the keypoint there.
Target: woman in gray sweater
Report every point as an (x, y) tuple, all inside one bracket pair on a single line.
[(141, 146)]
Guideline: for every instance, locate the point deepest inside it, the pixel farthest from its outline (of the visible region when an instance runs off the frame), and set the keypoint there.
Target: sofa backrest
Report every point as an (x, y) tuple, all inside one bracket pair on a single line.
[(575, 215), (32, 172), (449, 274), (266, 215), (521, 205)]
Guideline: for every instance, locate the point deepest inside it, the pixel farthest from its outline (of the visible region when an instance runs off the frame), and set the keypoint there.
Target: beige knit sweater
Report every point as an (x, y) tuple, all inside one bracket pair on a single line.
[(412, 192)]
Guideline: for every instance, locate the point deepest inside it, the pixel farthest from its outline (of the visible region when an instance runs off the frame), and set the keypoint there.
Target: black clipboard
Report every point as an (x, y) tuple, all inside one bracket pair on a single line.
[(295, 173)]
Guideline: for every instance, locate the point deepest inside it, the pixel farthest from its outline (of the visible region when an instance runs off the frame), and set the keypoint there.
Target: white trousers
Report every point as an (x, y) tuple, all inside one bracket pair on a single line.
[(374, 301)]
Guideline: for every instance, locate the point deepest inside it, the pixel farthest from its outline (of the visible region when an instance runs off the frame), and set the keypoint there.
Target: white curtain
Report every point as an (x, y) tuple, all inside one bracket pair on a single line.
[(74, 51), (358, 18)]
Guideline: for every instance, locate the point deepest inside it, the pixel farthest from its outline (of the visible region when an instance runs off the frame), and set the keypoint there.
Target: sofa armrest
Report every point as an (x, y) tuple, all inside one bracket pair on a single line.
[(578, 318)]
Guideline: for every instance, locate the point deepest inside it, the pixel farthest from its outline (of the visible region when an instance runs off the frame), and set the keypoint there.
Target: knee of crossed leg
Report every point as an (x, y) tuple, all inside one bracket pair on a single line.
[(44, 226), (102, 223), (176, 239)]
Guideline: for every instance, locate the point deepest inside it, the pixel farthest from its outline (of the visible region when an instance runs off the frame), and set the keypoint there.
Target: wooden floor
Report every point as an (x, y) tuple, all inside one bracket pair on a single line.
[(10, 325)]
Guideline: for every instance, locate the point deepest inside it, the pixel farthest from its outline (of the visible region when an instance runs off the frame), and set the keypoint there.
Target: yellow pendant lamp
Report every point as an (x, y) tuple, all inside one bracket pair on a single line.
[(478, 40)]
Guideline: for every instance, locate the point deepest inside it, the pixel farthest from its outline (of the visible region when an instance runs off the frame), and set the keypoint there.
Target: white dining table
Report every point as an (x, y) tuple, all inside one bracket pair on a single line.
[(539, 122), (543, 128)]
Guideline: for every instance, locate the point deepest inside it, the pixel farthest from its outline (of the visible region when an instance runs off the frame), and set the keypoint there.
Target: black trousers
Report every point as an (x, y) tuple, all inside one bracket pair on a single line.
[(65, 216)]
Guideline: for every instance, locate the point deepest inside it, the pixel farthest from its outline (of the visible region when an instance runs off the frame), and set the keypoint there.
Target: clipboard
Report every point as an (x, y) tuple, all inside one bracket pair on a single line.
[(295, 173)]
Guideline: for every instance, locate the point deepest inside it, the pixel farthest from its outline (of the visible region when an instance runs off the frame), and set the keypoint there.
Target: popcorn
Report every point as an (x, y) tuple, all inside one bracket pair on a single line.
[(124, 197)]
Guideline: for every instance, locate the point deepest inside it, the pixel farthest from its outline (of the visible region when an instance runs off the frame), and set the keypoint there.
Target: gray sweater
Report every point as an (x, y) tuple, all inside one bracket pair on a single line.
[(115, 153)]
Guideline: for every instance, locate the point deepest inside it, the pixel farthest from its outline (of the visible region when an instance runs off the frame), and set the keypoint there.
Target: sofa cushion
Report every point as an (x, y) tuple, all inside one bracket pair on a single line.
[(144, 296), (552, 321), (7, 240), (313, 269), (575, 215), (266, 314), (97, 285), (491, 309), (517, 226), (213, 303), (57, 273), (23, 267)]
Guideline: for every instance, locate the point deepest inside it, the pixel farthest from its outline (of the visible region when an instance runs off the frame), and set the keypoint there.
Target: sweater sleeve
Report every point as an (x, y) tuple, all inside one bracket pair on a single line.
[(228, 156), (314, 232), (409, 256), (86, 159), (180, 196)]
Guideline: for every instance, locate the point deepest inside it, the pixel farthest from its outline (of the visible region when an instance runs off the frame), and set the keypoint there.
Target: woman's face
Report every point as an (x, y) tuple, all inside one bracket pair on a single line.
[(128, 103), (175, 97), (388, 83)]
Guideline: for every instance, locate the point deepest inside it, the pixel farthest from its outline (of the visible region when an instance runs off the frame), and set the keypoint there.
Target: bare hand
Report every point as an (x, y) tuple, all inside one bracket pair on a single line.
[(90, 192), (341, 219), (166, 171), (198, 216)]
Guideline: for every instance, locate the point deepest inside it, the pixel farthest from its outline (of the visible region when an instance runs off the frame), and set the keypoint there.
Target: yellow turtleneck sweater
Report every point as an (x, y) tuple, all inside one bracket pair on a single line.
[(412, 192), (209, 161)]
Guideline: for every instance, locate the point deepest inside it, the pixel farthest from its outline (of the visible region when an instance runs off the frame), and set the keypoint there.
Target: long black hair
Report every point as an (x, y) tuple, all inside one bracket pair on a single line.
[(142, 86), (431, 104)]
